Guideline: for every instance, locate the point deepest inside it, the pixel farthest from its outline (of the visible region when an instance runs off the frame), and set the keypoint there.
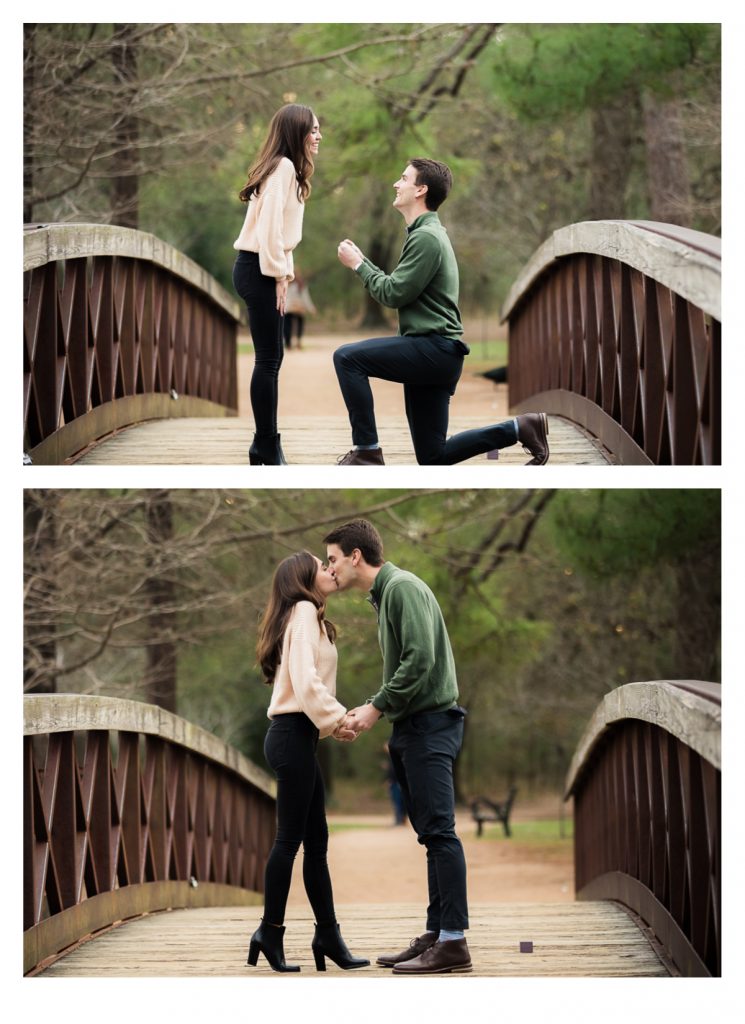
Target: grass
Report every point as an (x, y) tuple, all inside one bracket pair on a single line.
[(540, 831), (485, 355), (348, 826)]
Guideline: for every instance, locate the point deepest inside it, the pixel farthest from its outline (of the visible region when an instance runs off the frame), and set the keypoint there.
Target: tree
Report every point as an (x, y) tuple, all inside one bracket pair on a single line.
[(551, 599), (109, 105), (614, 72)]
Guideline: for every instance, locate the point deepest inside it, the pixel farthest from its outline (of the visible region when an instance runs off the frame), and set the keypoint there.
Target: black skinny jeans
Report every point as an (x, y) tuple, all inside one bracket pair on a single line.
[(290, 751), (259, 292)]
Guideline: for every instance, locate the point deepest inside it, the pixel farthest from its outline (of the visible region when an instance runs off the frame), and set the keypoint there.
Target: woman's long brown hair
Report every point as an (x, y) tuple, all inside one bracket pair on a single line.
[(294, 580), (288, 136)]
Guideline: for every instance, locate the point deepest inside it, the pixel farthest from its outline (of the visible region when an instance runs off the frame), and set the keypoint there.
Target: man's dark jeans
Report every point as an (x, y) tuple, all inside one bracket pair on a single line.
[(423, 748), (429, 368)]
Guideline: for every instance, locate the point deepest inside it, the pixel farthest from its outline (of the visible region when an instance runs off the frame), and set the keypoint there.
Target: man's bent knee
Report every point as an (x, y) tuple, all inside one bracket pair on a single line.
[(343, 355)]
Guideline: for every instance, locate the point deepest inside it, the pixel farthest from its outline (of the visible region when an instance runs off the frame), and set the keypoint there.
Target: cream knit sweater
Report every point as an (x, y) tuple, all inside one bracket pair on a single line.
[(274, 222), (306, 675)]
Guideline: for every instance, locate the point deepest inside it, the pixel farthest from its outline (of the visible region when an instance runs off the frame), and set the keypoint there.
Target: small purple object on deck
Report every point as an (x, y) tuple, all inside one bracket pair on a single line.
[(526, 947)]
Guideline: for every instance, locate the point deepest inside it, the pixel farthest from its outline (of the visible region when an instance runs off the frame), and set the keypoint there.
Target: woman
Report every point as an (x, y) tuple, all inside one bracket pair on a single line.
[(276, 191), (297, 654)]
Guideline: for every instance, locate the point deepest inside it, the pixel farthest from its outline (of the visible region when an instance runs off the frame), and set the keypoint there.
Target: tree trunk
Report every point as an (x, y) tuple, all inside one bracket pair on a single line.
[(668, 182), (29, 61), (125, 182), (612, 138), (160, 675), (39, 642), (380, 252), (697, 633)]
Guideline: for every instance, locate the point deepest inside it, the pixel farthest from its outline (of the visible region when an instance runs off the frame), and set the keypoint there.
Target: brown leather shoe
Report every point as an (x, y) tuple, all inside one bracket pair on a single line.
[(451, 957), (416, 946), (532, 434), (370, 457)]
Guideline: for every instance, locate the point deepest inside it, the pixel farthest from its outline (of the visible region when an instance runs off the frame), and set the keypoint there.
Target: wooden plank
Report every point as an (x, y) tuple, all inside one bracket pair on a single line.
[(569, 940), (315, 441)]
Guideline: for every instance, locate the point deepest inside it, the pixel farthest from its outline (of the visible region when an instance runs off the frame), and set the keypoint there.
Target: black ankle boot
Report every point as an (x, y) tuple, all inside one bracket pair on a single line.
[(266, 450), (327, 942), (269, 940)]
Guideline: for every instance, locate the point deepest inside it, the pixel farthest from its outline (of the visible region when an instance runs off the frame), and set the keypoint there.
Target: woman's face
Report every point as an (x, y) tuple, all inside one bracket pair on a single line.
[(325, 582), (314, 138)]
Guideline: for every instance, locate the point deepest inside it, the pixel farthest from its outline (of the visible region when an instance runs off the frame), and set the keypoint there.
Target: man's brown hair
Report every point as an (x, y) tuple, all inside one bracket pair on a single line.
[(358, 534), (436, 176)]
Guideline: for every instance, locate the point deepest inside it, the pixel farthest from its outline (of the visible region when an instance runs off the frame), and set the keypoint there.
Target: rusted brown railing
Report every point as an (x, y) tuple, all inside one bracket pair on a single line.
[(646, 783), (118, 328), (129, 809), (616, 326)]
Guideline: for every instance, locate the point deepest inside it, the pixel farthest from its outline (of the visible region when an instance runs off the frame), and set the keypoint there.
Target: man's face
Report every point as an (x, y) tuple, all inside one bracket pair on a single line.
[(342, 567), (407, 191)]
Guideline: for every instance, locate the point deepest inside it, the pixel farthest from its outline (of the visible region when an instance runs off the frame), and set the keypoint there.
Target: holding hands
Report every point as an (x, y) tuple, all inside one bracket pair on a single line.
[(357, 720), (344, 732), (349, 254)]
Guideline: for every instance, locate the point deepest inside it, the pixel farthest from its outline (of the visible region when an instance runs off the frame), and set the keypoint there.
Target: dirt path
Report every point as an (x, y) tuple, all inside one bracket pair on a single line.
[(308, 383), (382, 862)]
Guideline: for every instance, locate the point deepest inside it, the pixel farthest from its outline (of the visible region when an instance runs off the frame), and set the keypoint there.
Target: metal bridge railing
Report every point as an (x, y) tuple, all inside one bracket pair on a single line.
[(129, 809), (616, 325), (119, 327), (646, 783)]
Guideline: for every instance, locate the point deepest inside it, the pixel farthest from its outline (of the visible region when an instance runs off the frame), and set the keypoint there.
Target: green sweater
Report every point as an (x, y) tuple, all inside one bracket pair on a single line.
[(424, 285), (418, 665)]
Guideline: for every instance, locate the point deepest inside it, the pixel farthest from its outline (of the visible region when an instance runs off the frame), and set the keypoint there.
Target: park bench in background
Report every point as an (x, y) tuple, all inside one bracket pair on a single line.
[(483, 809)]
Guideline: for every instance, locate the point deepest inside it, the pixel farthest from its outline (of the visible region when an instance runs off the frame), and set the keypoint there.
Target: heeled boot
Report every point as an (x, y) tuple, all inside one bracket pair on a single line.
[(266, 451), (327, 942), (269, 940)]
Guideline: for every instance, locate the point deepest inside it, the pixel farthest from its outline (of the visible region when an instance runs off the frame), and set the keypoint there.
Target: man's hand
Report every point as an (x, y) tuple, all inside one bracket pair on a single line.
[(349, 254), (344, 731), (363, 718)]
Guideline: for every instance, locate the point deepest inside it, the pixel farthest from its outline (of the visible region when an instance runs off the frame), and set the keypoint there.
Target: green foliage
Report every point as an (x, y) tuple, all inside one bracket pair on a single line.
[(517, 132), (548, 70), (628, 530)]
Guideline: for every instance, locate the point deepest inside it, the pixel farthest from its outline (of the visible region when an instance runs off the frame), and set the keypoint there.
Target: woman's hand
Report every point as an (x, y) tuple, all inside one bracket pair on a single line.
[(343, 733), (281, 295)]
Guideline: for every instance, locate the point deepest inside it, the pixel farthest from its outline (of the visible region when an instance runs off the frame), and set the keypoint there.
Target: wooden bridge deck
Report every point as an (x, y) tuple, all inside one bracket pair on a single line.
[(569, 940), (314, 424), (315, 441)]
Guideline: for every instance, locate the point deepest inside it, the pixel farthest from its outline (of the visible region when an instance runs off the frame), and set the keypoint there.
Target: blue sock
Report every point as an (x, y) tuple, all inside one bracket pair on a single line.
[(366, 447), (446, 936)]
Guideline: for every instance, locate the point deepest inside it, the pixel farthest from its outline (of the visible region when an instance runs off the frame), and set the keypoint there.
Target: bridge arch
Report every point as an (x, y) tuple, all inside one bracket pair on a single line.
[(646, 784), (129, 809), (616, 325), (119, 327)]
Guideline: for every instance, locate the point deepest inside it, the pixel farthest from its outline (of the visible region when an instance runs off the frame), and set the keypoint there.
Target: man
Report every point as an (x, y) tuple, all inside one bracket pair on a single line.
[(427, 356), (419, 696)]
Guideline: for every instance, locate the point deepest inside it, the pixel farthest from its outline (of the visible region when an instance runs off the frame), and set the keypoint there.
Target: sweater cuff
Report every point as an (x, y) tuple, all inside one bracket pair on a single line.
[(378, 702)]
